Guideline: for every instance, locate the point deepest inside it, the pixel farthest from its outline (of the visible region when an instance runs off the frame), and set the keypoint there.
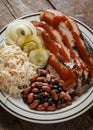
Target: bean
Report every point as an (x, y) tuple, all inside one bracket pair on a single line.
[(51, 108), (61, 105), (40, 90), (45, 84), (40, 96), (40, 107), (44, 100), (36, 84), (35, 96), (61, 94), (59, 102), (54, 95), (61, 83), (25, 98), (62, 100), (42, 72), (41, 79), (51, 85), (50, 101), (60, 89), (57, 91), (45, 94), (34, 104), (68, 103), (55, 86), (53, 81), (30, 97), (66, 96), (33, 78), (27, 90), (46, 104), (56, 82), (39, 86), (48, 77), (46, 88), (35, 90)]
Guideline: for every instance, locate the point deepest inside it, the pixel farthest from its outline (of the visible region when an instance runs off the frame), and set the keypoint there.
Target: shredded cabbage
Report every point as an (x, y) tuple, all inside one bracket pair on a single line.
[(15, 70)]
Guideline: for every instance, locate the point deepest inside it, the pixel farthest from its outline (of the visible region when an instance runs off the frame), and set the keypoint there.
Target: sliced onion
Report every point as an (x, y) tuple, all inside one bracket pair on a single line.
[(19, 28)]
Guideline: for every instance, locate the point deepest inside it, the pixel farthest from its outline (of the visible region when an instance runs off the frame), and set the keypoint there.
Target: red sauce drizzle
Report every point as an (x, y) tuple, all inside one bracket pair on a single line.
[(72, 52), (49, 44), (79, 43), (63, 72), (82, 50), (49, 20)]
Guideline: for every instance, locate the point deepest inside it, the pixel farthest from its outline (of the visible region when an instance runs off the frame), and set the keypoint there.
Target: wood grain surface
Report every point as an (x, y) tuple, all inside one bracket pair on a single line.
[(12, 9)]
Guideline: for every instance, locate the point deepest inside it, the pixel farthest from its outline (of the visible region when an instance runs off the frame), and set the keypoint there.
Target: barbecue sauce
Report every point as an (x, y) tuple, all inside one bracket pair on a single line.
[(66, 75), (55, 21), (53, 45)]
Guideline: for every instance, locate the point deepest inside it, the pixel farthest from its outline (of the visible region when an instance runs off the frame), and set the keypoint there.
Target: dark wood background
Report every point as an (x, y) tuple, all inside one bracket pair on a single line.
[(12, 9)]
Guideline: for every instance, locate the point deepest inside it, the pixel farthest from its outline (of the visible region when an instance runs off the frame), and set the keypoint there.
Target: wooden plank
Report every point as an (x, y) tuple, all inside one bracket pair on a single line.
[(5, 15), (82, 122), (80, 9), (19, 8), (8, 122)]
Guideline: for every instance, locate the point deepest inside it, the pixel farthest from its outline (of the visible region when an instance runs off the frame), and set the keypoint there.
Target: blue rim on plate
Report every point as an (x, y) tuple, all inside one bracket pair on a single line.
[(17, 107)]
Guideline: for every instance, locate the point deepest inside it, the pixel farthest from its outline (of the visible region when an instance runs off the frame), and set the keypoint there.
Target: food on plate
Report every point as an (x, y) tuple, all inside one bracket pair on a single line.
[(24, 34), (32, 42), (39, 57), (68, 56), (46, 61), (46, 92), (16, 31), (15, 70), (68, 53)]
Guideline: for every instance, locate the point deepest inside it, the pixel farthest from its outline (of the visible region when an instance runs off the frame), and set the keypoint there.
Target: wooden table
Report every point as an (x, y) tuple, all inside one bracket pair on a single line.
[(12, 9)]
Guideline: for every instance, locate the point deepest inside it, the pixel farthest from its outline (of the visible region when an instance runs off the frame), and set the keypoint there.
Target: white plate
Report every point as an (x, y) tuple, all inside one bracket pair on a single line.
[(80, 105)]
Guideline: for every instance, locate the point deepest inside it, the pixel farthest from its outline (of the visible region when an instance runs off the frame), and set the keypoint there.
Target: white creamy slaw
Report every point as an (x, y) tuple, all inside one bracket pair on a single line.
[(15, 69)]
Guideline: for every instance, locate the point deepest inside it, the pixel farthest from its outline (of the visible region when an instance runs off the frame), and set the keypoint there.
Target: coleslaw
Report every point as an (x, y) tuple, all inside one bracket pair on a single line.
[(15, 69)]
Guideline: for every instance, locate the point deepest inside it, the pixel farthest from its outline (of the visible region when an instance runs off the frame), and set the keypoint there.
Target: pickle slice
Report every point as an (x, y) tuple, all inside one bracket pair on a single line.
[(30, 46), (39, 57)]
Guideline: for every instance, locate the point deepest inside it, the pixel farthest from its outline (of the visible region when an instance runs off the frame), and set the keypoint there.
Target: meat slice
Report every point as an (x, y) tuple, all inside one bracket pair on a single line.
[(71, 35), (54, 18), (80, 67), (66, 75), (68, 53)]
